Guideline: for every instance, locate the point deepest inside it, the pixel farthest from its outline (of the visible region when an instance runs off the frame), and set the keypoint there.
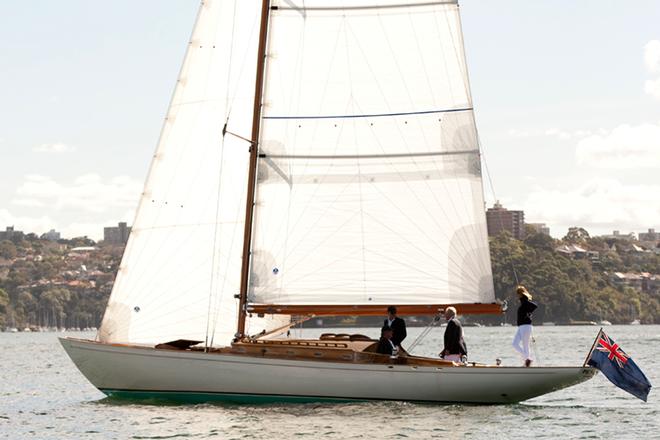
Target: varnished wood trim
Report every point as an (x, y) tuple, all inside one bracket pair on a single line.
[(371, 310)]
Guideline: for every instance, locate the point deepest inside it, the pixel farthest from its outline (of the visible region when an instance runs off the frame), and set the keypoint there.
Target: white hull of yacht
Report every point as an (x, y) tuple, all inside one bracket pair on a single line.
[(144, 372)]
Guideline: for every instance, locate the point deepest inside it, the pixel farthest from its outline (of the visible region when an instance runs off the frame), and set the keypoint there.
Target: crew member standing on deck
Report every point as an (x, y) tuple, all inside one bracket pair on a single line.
[(454, 349), (397, 325), (524, 333)]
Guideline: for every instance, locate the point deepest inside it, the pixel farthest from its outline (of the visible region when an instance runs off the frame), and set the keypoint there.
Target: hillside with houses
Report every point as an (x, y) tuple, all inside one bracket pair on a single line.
[(49, 283), (612, 278), (54, 283)]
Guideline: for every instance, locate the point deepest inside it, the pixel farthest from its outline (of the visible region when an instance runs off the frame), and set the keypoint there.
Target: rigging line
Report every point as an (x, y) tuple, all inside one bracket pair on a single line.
[(501, 220), (370, 115), (217, 242), (424, 333), (281, 329), (236, 224), (225, 131), (217, 236)]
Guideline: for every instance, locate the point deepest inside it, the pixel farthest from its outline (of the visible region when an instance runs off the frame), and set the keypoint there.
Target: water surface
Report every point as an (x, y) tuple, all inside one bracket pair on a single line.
[(43, 396)]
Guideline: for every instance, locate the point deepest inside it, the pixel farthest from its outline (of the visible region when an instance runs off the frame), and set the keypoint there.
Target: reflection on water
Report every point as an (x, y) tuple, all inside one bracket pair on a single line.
[(43, 396)]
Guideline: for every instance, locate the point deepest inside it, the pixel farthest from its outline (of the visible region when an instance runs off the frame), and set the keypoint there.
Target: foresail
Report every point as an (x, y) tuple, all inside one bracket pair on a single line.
[(181, 267), (369, 184)]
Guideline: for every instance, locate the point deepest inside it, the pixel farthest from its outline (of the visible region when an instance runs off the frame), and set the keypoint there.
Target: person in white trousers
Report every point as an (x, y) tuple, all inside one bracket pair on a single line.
[(524, 334)]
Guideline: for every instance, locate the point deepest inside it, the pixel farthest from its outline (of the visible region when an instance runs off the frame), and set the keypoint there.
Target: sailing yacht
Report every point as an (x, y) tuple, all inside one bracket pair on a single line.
[(319, 158)]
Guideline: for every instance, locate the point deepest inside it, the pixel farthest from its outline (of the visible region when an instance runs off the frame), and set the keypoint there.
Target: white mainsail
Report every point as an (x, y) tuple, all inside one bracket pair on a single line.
[(369, 183), (181, 267)]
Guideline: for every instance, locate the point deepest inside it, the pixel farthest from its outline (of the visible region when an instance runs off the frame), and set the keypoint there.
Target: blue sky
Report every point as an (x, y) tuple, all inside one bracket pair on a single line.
[(567, 95)]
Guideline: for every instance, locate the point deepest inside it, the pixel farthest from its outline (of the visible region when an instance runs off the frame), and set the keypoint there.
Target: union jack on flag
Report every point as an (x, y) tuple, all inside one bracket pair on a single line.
[(614, 352), (618, 367)]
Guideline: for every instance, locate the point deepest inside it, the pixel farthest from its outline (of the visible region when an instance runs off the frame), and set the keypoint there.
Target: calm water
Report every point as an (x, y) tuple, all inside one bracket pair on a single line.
[(43, 396)]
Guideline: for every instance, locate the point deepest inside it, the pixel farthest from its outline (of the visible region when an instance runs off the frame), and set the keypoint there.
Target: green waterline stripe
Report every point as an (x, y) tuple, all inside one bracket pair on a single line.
[(208, 397), (201, 397)]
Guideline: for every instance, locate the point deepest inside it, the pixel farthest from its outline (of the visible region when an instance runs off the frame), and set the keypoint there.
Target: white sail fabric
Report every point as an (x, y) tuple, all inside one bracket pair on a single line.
[(181, 267), (369, 182)]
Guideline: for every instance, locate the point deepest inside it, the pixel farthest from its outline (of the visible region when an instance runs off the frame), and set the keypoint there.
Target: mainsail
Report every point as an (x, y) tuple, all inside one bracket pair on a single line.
[(181, 267), (369, 185)]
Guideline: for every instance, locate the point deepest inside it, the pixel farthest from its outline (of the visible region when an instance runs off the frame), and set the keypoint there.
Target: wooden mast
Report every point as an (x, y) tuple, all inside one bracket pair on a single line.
[(254, 139)]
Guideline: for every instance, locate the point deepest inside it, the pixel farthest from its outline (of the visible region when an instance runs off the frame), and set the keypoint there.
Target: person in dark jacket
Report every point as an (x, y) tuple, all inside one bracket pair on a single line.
[(385, 344), (455, 348), (524, 334), (397, 325)]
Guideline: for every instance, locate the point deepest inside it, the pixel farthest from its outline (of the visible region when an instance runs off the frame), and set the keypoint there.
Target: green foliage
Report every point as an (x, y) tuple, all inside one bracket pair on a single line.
[(570, 289), (4, 302), (45, 287), (7, 249)]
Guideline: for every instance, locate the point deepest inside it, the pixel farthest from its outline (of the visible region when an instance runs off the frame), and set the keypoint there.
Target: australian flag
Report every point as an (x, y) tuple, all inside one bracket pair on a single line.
[(618, 367)]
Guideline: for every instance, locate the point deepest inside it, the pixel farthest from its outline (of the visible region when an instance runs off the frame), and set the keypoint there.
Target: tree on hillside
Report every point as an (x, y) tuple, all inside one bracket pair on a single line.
[(540, 241), (576, 235), (7, 249), (53, 302), (4, 304)]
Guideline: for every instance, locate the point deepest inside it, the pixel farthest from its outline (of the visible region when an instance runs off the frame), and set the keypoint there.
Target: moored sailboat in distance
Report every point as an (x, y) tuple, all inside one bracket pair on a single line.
[(317, 159)]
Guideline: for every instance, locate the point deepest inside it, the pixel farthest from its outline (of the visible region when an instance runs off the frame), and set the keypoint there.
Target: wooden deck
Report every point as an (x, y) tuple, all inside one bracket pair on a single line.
[(330, 347)]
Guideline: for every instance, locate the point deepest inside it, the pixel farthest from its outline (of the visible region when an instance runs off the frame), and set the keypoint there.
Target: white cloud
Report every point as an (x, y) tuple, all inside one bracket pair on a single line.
[(625, 146), (83, 206), (87, 193), (26, 224), (599, 205), (562, 135), (652, 56), (56, 148), (652, 87)]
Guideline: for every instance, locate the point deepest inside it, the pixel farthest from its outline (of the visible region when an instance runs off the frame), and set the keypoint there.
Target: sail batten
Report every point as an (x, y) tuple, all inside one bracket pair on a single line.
[(373, 115), (381, 6), (369, 156)]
